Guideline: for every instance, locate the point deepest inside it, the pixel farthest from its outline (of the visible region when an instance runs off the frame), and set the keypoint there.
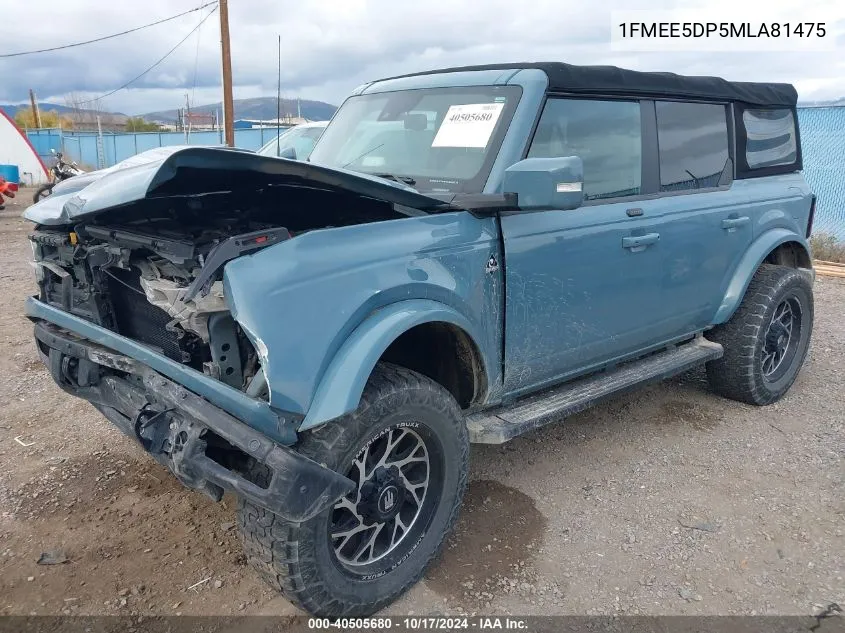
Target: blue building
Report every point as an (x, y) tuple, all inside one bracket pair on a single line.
[(823, 145)]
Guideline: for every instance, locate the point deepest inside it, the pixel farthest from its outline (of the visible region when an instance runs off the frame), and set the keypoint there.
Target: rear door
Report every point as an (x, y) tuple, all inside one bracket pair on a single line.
[(706, 226)]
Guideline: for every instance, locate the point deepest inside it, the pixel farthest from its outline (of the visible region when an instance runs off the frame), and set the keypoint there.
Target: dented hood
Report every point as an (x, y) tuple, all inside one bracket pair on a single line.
[(173, 171)]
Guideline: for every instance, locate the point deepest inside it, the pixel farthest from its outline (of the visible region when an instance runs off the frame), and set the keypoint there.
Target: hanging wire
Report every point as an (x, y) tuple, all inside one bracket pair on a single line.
[(168, 54), (108, 37)]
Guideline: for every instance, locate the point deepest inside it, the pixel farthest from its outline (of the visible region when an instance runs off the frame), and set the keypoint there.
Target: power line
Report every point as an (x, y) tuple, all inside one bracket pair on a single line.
[(108, 37), (166, 55)]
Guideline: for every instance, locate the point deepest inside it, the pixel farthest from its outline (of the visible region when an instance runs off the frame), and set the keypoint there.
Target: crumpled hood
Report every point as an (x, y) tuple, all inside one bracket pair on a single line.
[(161, 172)]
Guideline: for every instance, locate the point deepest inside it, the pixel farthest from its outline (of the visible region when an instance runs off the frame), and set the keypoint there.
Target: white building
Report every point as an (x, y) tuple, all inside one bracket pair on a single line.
[(15, 149)]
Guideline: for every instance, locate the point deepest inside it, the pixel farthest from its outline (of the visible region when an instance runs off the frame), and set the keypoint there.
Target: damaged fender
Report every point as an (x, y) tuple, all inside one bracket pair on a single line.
[(343, 383), (320, 309)]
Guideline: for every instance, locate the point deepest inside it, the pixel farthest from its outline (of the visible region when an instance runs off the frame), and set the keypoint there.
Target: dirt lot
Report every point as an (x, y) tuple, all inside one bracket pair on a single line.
[(667, 501)]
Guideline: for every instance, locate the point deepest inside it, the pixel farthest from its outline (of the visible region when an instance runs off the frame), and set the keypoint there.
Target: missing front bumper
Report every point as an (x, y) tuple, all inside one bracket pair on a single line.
[(176, 427)]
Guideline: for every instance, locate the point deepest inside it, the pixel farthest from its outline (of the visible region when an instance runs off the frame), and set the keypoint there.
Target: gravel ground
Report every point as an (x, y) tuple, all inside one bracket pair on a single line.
[(670, 500)]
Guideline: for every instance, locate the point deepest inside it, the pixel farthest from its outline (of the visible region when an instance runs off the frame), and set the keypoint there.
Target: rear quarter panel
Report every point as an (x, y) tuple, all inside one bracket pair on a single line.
[(779, 207)]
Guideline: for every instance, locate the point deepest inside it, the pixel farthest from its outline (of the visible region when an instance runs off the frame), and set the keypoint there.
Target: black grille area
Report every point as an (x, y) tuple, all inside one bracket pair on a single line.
[(137, 318)]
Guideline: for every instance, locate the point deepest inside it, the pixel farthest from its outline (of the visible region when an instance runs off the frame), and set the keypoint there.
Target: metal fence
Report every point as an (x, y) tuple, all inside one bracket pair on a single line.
[(822, 140), (85, 148), (823, 145)]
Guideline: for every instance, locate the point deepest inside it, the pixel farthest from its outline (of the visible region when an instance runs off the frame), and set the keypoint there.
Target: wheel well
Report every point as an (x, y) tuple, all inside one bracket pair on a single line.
[(444, 353), (790, 254)]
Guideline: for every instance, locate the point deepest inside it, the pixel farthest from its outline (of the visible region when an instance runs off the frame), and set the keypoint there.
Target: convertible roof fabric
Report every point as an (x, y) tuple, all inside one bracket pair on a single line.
[(610, 80)]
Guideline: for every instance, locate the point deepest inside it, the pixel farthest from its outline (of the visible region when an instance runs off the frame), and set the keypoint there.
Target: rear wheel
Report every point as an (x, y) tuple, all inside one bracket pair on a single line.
[(407, 449), (767, 338), (42, 192)]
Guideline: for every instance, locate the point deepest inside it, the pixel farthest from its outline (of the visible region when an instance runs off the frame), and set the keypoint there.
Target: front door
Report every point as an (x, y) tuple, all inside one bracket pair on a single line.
[(583, 286)]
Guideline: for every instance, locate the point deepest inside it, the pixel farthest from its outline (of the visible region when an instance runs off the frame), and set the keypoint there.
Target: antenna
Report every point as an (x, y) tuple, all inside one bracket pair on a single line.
[(279, 103)]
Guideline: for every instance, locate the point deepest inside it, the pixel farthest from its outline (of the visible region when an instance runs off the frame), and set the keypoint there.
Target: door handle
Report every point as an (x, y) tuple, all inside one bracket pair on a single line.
[(638, 243), (733, 223)]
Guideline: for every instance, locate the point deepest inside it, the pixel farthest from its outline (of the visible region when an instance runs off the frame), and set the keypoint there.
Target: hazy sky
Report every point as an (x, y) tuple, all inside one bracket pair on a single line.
[(330, 46)]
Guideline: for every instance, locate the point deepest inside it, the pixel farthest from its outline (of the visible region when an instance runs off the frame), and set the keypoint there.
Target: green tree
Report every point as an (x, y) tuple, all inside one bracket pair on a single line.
[(26, 119), (138, 124)]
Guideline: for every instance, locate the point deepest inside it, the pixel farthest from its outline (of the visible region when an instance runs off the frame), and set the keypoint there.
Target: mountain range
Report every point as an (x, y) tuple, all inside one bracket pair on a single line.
[(258, 108), (12, 110), (262, 108)]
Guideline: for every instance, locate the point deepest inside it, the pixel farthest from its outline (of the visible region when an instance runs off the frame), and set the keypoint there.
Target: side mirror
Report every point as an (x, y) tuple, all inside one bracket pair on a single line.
[(546, 183), (288, 152)]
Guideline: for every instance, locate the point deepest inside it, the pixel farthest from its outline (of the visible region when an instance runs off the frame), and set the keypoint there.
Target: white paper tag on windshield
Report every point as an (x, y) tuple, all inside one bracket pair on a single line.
[(468, 125)]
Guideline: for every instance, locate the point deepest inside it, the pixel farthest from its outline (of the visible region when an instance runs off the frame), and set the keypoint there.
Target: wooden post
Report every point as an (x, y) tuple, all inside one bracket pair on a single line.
[(36, 114), (228, 101)]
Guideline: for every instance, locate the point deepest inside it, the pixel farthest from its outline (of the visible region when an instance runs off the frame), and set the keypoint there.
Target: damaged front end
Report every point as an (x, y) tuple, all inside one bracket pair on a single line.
[(131, 313), (203, 446)]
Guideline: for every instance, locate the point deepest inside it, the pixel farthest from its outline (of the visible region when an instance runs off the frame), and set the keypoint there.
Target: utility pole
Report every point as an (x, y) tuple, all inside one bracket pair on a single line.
[(228, 101), (279, 103), (188, 117), (36, 114)]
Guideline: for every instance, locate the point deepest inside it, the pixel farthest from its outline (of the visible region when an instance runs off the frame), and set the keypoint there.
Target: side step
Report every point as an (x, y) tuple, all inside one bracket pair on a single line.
[(496, 426)]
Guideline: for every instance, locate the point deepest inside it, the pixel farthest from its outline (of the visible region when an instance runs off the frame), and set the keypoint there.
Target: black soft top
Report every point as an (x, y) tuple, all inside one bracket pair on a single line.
[(610, 80)]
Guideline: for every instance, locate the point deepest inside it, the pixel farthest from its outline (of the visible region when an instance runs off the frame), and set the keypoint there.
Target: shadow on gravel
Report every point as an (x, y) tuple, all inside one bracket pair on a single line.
[(491, 549)]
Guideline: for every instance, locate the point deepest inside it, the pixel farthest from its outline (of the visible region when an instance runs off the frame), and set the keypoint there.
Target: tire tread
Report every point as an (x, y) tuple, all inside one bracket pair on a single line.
[(736, 375), (272, 544)]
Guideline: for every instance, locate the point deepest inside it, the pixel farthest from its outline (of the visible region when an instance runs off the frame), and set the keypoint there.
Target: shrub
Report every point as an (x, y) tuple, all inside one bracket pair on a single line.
[(827, 247)]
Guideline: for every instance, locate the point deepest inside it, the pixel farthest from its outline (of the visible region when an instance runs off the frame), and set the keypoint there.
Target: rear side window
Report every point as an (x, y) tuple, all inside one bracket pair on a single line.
[(771, 138), (606, 135), (692, 140)]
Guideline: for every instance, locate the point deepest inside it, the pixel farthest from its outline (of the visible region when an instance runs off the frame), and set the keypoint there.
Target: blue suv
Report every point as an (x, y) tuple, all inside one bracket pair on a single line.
[(468, 254)]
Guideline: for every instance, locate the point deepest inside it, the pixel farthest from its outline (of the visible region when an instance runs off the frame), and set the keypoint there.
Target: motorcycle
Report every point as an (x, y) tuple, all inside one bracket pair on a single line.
[(60, 171)]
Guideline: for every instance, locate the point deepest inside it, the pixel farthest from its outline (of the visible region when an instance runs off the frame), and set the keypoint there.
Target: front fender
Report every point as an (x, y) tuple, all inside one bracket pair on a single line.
[(748, 265), (342, 385)]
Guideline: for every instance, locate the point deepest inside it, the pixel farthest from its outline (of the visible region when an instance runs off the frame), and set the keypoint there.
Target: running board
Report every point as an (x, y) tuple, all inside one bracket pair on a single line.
[(496, 426)]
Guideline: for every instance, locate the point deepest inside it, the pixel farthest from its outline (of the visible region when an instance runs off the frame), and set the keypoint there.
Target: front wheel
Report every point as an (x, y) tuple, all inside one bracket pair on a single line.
[(766, 340), (42, 192), (406, 447)]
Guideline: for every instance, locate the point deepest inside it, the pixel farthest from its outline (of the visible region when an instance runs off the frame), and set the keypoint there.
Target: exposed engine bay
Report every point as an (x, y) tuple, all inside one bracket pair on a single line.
[(152, 270)]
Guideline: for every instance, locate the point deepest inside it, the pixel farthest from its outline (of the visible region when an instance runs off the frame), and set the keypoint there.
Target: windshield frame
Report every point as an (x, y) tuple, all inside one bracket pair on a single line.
[(440, 184)]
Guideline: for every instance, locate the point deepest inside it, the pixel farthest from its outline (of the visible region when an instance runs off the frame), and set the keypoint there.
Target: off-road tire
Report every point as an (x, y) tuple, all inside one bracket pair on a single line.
[(299, 559), (42, 192), (739, 374)]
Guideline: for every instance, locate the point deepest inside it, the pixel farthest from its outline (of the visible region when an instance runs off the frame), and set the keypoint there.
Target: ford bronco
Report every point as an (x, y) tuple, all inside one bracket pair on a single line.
[(468, 254)]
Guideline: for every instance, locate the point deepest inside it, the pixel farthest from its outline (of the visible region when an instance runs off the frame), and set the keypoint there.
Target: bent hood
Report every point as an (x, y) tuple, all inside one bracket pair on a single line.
[(181, 171)]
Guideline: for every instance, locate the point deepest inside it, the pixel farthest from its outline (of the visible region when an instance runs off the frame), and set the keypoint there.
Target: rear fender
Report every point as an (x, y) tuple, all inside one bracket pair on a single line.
[(342, 385), (748, 265)]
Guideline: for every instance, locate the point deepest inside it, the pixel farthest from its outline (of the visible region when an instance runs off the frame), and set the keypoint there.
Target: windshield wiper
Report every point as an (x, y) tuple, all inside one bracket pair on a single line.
[(357, 158), (403, 179)]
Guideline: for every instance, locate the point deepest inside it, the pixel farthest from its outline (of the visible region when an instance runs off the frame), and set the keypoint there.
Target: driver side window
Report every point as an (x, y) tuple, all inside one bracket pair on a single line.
[(606, 135)]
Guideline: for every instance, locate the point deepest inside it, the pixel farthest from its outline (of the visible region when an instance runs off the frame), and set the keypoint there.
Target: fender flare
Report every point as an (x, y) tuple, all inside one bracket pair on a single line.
[(748, 265), (343, 382)]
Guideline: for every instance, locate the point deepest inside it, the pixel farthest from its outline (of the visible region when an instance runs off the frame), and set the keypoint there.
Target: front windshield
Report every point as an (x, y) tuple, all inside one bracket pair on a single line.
[(435, 139), (301, 139)]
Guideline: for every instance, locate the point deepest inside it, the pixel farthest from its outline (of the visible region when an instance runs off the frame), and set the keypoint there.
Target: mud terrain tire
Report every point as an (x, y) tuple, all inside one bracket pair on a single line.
[(767, 338), (399, 411)]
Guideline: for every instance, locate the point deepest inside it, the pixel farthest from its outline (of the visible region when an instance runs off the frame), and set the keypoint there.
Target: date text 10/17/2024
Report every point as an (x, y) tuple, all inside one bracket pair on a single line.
[(479, 623)]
